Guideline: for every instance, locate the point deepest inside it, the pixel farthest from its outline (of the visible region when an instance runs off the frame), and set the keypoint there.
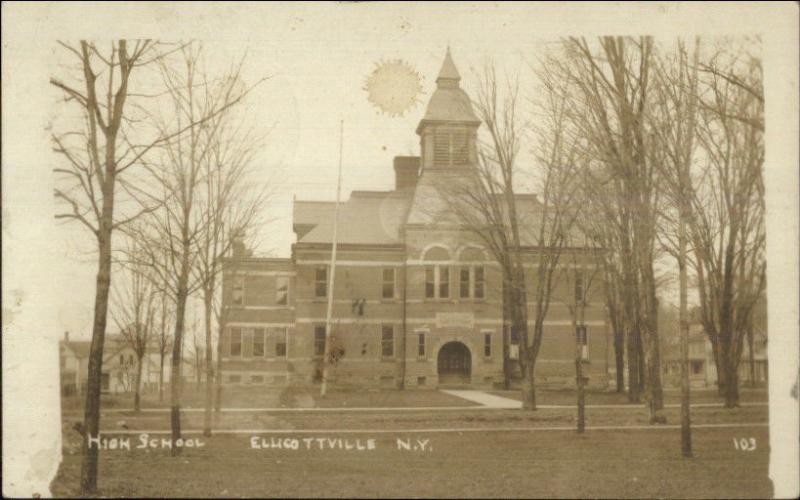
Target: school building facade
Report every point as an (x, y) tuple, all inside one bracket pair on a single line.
[(417, 300)]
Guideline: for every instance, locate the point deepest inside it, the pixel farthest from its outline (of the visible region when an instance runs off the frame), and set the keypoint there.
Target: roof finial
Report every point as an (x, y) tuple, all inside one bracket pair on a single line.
[(448, 73)]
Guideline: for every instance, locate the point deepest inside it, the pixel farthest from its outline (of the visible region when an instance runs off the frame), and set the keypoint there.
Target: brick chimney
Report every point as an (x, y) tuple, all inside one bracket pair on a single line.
[(406, 172)]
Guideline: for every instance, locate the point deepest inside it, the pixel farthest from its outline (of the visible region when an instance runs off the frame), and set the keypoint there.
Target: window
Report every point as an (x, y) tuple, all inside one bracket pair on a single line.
[(130, 359), (236, 342), (487, 344), (421, 380), (479, 281), (282, 290), (321, 282), (441, 149), (319, 340), (514, 335), (238, 290), (258, 342), (105, 381), (464, 282), (421, 344), (697, 367), (388, 283), (579, 288), (444, 282), (280, 348), (580, 332), (471, 282), (387, 341), (256, 379), (430, 282), (234, 379), (450, 148), (121, 359)]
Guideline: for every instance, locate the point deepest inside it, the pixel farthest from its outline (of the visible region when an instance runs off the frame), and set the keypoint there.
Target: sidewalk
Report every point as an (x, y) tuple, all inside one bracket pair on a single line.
[(485, 399)]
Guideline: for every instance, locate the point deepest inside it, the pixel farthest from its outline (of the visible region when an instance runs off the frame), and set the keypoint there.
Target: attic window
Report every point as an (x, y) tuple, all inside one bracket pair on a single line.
[(450, 148)]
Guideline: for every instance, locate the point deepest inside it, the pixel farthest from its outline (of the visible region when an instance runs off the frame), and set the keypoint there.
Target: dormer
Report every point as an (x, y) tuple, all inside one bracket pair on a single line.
[(449, 128)]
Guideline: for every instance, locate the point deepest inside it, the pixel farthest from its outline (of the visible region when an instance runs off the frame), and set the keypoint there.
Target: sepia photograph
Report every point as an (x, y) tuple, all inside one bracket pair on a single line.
[(400, 250)]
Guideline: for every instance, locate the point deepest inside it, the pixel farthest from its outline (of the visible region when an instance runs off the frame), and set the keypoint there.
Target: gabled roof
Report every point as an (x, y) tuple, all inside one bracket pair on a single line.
[(367, 218), (79, 347)]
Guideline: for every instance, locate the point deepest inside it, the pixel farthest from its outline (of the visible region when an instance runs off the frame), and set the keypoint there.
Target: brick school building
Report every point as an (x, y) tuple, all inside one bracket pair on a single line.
[(417, 300)]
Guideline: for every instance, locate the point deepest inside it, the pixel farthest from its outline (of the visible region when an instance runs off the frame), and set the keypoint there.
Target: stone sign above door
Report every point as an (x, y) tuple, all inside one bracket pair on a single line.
[(455, 320)]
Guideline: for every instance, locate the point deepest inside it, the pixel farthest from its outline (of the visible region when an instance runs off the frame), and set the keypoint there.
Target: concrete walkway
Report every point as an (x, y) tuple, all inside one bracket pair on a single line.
[(485, 399)]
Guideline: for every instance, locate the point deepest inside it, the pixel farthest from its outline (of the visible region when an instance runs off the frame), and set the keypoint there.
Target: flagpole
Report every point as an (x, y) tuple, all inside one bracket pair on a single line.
[(327, 352)]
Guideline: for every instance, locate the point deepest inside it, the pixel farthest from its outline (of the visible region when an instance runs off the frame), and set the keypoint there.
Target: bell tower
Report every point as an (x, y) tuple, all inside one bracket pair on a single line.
[(449, 128)]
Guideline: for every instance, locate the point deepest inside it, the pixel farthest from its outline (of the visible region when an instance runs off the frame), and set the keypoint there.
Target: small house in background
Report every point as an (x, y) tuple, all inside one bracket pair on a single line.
[(703, 369), (119, 366)]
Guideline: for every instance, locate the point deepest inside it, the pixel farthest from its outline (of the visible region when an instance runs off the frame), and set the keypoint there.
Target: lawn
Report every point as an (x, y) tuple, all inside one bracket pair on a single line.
[(597, 397), (628, 464), (471, 452), (289, 397)]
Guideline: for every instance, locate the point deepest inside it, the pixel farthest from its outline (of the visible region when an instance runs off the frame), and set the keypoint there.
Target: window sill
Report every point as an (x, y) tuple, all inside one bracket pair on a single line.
[(388, 359)]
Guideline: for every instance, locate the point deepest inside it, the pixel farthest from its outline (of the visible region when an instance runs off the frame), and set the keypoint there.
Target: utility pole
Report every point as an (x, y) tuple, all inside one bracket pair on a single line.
[(327, 352)]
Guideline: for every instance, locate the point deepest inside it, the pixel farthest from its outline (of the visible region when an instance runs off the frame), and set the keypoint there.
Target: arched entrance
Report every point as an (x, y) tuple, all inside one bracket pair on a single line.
[(454, 364)]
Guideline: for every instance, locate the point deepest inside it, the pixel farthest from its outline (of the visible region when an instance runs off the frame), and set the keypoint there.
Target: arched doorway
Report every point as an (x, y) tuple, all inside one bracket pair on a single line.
[(454, 364)]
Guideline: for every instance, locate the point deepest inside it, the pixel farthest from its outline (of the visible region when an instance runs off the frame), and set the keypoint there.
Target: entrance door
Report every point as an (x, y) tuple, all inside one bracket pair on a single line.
[(454, 364)]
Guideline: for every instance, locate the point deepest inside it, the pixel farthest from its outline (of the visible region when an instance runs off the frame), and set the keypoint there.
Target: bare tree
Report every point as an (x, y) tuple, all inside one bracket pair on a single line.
[(164, 338), (579, 270), (98, 148), (134, 313), (674, 116), (230, 207), (727, 225), (174, 230), (609, 87), (517, 230)]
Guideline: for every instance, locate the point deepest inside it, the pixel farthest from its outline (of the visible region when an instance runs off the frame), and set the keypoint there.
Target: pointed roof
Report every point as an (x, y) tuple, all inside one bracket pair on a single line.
[(449, 103), (448, 71)]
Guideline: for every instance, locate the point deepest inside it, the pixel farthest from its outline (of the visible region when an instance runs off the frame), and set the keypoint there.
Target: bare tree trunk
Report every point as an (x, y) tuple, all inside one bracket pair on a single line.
[(579, 382), (619, 358), (633, 366), (751, 355), (91, 415), (506, 338), (161, 377), (528, 386), (176, 379), (686, 419), (218, 378), (731, 386), (209, 365), (137, 390)]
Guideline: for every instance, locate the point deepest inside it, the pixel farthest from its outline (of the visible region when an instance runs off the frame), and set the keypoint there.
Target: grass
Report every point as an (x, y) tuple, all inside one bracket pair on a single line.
[(513, 462), (289, 397), (298, 397), (609, 464), (597, 397)]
